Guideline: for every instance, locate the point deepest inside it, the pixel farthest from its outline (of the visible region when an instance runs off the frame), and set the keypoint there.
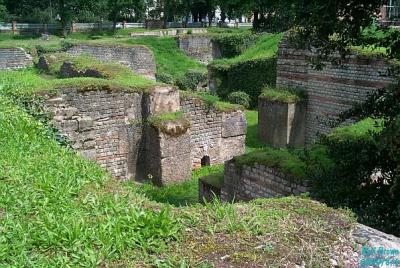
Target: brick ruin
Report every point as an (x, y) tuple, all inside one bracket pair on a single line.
[(14, 58), (329, 92), (333, 90), (139, 58), (196, 46), (110, 128)]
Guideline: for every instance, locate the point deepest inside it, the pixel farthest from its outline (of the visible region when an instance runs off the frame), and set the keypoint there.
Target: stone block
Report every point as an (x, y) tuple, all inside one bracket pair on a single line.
[(233, 124), (85, 123), (163, 100), (168, 158), (282, 124)]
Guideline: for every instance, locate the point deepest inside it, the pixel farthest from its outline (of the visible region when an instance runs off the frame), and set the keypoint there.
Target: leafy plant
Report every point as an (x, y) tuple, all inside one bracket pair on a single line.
[(240, 97)]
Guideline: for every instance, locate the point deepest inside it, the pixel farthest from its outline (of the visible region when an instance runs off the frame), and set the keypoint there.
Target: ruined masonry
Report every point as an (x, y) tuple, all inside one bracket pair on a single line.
[(14, 58), (110, 128), (139, 58), (329, 92), (334, 89)]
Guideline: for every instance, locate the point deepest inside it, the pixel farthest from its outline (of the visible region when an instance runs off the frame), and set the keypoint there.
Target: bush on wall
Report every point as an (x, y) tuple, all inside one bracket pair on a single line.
[(192, 80), (248, 76), (240, 97), (232, 45)]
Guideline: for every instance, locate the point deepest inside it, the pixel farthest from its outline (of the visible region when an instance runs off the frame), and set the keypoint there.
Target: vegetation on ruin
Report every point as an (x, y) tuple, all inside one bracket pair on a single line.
[(212, 101), (173, 124), (30, 82), (59, 209), (214, 179), (249, 72), (169, 58), (265, 46), (281, 159), (283, 95)]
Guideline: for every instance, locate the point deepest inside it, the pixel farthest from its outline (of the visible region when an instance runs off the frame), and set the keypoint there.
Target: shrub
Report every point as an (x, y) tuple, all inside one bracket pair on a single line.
[(192, 80), (164, 78), (232, 45), (249, 76), (283, 95), (240, 97)]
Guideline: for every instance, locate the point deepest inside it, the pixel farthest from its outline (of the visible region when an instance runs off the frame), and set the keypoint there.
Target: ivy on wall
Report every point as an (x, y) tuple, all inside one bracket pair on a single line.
[(232, 45), (248, 76)]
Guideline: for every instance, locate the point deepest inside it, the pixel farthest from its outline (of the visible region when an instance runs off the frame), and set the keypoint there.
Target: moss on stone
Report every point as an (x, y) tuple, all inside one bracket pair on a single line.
[(282, 159), (283, 95), (361, 129), (173, 124), (212, 101), (216, 180)]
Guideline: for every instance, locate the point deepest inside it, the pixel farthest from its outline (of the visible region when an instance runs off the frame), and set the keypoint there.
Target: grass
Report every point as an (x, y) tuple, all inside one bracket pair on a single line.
[(59, 209), (183, 194), (265, 47), (31, 82), (253, 143), (282, 159), (361, 129), (213, 101), (215, 179), (283, 95), (169, 58)]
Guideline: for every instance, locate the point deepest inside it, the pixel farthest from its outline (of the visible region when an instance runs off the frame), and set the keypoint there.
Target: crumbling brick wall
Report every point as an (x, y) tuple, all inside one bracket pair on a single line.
[(332, 90), (214, 134), (196, 46), (258, 181), (14, 58), (101, 125), (109, 128), (139, 58)]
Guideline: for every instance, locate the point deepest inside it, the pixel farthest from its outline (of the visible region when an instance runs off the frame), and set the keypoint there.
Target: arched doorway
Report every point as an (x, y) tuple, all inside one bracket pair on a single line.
[(205, 161)]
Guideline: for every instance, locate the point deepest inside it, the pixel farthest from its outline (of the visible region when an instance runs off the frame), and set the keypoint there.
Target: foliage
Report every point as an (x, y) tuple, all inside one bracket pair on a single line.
[(366, 158), (164, 78), (240, 97), (53, 201), (283, 95), (232, 45), (281, 159), (248, 72), (265, 47), (212, 101), (248, 76), (192, 80), (169, 58)]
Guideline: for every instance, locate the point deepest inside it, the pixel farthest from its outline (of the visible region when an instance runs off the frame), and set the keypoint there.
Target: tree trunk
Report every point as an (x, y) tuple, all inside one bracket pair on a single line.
[(256, 21)]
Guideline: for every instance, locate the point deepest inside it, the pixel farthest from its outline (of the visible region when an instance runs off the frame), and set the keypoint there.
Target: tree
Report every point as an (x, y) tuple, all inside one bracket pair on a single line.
[(120, 8), (3, 11)]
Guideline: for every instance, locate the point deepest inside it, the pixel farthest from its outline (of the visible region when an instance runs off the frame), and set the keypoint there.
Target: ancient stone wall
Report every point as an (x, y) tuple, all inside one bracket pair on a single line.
[(168, 157), (216, 135), (197, 46), (258, 181), (110, 128), (281, 124), (101, 125), (139, 58), (334, 89), (14, 58)]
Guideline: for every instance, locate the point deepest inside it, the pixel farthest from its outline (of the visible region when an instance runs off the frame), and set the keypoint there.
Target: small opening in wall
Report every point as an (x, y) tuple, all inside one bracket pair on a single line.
[(205, 161)]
